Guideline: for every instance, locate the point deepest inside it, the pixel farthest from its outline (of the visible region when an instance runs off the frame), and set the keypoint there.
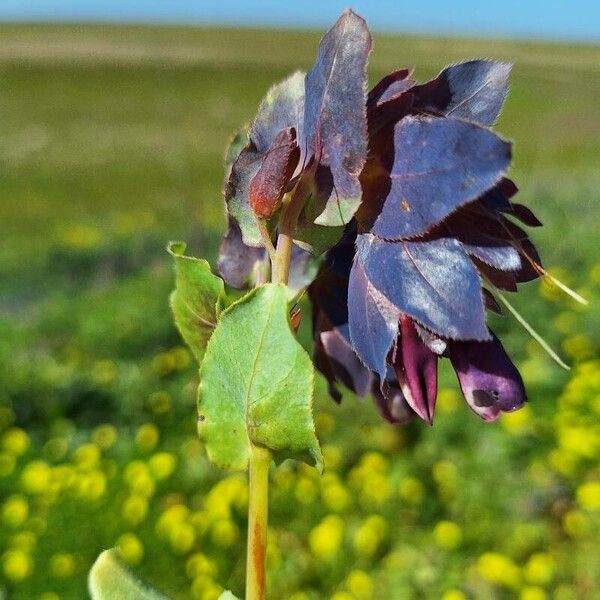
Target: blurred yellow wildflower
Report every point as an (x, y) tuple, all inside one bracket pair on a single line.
[(360, 585), (519, 421), (130, 549), (204, 588), (182, 537), (35, 477), (588, 495), (342, 596), (576, 524), (134, 509), (138, 478), (499, 569), (15, 511), (170, 517), (16, 565), (336, 497), (225, 533), (332, 457), (411, 490), (16, 441), (92, 485), (147, 437), (447, 535), (104, 372), (162, 465), (453, 595), (199, 564), (532, 592), (540, 569), (62, 565), (306, 490), (87, 456), (105, 436), (326, 538)]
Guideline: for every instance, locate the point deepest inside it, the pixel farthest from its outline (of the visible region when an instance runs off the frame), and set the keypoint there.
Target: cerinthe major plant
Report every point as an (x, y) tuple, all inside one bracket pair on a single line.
[(393, 209)]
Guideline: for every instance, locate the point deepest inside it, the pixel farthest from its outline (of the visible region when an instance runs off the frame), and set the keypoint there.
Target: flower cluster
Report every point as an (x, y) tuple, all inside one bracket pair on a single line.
[(403, 193)]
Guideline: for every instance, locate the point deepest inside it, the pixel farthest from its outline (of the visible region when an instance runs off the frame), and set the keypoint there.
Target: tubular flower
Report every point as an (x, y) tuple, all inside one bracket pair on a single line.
[(434, 237), (401, 194)]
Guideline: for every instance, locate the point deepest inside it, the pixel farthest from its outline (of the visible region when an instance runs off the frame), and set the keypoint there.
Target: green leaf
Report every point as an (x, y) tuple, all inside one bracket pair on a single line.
[(109, 580), (197, 300), (256, 384)]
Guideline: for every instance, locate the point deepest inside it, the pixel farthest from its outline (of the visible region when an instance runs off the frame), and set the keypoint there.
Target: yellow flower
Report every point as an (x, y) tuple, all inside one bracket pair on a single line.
[(370, 534), (7, 464), (342, 596), (16, 565), (326, 538), (137, 475), (200, 564), (336, 497), (447, 535), (87, 456), (16, 441), (204, 588), (588, 495), (376, 488), (225, 533), (517, 422), (454, 595), (15, 511), (134, 510), (499, 569), (182, 538), (174, 515), (411, 490), (35, 477), (532, 592), (91, 486), (374, 461), (162, 465), (62, 565), (360, 585), (332, 456), (576, 524), (130, 549), (540, 568), (147, 437), (105, 436)]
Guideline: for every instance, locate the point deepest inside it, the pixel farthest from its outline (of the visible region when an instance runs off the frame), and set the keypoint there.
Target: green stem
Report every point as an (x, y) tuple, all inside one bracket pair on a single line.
[(258, 504)]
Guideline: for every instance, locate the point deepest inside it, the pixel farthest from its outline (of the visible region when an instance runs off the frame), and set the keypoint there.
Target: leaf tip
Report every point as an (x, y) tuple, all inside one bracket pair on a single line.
[(176, 248)]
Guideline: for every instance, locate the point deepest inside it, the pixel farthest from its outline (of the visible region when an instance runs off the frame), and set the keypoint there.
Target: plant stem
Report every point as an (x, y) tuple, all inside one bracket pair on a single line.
[(258, 504), (281, 265)]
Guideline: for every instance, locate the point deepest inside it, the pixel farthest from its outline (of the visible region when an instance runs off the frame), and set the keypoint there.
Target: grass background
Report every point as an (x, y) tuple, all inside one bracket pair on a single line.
[(111, 143)]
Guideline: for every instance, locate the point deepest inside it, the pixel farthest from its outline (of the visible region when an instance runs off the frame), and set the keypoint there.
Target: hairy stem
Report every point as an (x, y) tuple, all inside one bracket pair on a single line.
[(258, 504)]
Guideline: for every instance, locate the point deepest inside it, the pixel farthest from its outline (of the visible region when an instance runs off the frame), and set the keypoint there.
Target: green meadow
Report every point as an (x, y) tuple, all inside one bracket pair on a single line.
[(111, 144)]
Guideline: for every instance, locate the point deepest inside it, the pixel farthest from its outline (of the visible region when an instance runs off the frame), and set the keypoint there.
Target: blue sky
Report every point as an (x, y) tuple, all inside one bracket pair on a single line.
[(554, 19)]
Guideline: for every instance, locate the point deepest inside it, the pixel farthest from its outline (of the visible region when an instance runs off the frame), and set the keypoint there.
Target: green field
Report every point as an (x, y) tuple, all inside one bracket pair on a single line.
[(111, 143)]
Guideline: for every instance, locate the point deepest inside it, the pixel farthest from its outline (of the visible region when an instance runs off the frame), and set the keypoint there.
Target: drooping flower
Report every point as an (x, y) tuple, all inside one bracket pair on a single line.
[(402, 192)]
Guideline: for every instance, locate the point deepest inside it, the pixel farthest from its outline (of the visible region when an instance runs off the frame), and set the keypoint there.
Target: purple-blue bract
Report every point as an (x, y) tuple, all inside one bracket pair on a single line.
[(415, 181)]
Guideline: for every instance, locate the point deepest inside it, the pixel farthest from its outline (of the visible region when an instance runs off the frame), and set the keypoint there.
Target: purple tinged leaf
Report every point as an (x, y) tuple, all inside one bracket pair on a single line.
[(434, 282), (335, 114), (491, 303), (390, 87), (345, 365), (503, 280), (416, 369), (489, 380), (503, 257), (439, 165), (283, 107), (525, 215), (391, 403), (270, 182), (373, 320), (474, 91), (238, 264)]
